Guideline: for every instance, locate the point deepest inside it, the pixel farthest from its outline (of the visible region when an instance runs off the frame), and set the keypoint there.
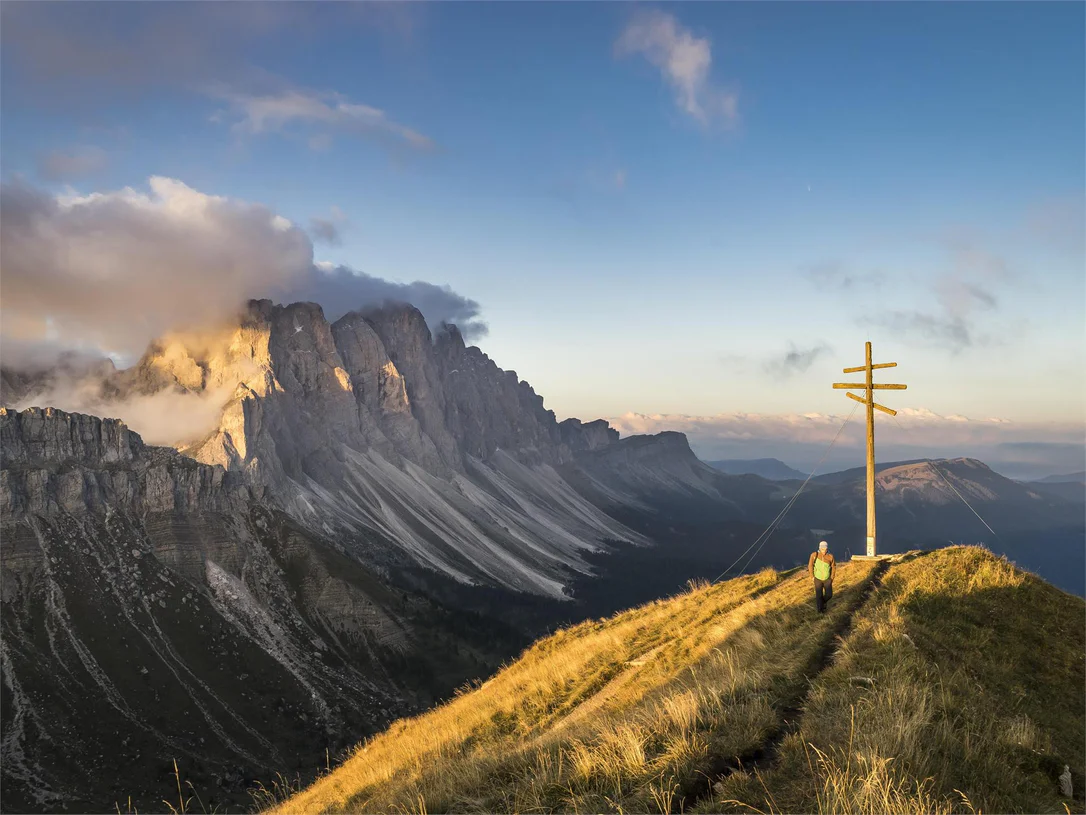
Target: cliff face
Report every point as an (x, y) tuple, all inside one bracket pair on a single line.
[(55, 462), (153, 609), (405, 447)]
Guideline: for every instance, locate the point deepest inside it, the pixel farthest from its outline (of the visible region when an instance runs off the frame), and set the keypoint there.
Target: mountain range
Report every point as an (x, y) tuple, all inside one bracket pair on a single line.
[(772, 469), (375, 514)]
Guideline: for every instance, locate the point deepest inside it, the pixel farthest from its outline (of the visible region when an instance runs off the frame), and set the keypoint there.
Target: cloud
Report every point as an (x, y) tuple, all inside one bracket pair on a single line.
[(79, 60), (835, 276), (685, 62), (166, 417), (116, 269), (325, 112), (109, 272), (802, 439), (328, 229), (796, 360), (58, 165), (968, 286), (341, 289), (60, 55)]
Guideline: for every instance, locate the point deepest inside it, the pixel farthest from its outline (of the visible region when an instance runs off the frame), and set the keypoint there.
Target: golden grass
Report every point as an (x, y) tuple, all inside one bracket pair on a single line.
[(974, 704), (624, 714), (958, 688)]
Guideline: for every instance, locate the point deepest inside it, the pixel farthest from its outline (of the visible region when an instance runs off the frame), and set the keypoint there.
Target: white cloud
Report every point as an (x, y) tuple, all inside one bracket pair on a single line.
[(685, 61), (110, 271), (116, 269), (326, 113)]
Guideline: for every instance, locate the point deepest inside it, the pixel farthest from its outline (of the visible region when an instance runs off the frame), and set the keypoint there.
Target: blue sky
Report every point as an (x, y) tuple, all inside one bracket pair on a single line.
[(676, 209)]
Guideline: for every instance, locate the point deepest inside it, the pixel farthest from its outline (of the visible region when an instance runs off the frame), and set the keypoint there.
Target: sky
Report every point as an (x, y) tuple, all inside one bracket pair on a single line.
[(676, 216)]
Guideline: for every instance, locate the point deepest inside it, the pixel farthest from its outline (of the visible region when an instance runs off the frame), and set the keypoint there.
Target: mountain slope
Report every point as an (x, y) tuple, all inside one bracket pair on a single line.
[(1062, 479), (412, 450), (923, 500), (153, 610), (666, 707), (771, 468)]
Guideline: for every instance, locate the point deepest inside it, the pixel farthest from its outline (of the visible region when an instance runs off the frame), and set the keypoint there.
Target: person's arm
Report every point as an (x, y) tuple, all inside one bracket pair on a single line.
[(833, 568), (810, 564)]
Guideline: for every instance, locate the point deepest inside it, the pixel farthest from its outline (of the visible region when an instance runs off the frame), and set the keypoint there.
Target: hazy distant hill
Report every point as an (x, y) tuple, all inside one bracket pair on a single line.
[(1061, 479), (1071, 486), (770, 468)]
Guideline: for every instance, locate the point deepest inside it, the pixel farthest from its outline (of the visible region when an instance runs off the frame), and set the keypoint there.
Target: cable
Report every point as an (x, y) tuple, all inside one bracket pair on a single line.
[(932, 463), (780, 515), (952, 488)]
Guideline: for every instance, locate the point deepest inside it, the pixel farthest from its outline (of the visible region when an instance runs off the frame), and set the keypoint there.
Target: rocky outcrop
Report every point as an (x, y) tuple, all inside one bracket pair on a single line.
[(154, 610), (488, 409), (55, 462), (582, 437)]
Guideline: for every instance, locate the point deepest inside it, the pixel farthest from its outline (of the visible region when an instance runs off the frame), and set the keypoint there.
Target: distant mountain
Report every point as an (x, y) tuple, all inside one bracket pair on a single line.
[(1071, 486), (851, 474), (772, 469), (919, 498), (1062, 479)]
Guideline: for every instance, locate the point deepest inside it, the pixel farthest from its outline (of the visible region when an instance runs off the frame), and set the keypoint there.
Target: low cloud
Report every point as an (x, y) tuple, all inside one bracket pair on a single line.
[(106, 273), (60, 165), (684, 61), (796, 360), (168, 417), (327, 229), (117, 269), (340, 289), (1018, 449)]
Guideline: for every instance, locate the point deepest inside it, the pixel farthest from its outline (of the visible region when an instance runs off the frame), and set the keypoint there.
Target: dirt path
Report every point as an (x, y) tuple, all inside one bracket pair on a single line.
[(791, 707)]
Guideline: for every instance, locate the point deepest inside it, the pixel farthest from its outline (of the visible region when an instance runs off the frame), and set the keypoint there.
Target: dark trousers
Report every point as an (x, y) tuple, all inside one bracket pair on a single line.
[(823, 593)]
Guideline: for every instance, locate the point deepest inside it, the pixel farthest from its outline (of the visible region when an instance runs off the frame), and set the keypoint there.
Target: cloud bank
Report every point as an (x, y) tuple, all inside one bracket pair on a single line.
[(109, 272), (1017, 449)]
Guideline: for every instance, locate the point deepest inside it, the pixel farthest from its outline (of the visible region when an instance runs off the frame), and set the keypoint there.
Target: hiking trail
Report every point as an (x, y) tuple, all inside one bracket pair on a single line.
[(791, 708)]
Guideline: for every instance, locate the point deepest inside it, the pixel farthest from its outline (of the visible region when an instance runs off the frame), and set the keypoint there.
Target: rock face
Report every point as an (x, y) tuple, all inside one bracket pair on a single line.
[(56, 462), (405, 447), (153, 610)]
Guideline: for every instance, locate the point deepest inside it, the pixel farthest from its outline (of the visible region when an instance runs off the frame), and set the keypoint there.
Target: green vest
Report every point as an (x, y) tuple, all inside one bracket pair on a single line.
[(821, 569)]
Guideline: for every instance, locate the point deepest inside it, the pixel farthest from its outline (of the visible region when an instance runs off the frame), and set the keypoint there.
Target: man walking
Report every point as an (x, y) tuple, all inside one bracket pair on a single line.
[(823, 568)]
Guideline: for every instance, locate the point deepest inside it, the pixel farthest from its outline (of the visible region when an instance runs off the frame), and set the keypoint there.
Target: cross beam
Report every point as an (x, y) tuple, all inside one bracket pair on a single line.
[(869, 399)]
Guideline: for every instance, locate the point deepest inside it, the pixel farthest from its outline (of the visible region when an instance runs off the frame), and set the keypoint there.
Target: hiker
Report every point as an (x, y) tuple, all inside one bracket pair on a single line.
[(823, 568)]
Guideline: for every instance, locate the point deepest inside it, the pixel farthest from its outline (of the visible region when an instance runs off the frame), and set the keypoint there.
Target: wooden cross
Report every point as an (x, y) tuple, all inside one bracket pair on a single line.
[(869, 399)]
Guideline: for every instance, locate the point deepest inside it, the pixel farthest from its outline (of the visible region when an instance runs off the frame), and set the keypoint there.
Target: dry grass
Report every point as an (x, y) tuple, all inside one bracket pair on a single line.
[(975, 703), (957, 689), (625, 714)]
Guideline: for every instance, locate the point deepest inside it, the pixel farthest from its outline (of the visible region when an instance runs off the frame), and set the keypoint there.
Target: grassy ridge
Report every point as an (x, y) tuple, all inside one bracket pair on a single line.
[(959, 689), (624, 713), (958, 673)]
